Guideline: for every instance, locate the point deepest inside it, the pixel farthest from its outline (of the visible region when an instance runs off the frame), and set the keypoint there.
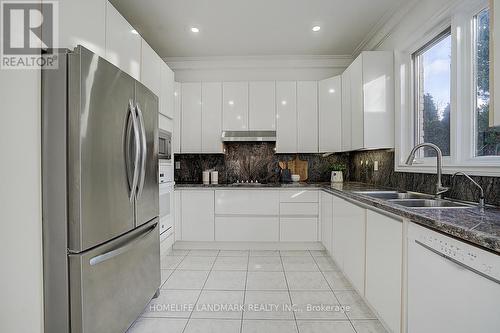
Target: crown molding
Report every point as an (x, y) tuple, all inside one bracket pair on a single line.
[(249, 62), (384, 28)]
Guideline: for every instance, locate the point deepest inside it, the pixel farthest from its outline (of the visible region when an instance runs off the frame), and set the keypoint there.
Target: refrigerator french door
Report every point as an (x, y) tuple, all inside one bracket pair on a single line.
[(100, 210)]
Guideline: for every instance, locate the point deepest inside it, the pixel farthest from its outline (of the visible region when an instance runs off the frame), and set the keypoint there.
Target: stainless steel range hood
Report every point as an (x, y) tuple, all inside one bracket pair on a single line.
[(232, 136)]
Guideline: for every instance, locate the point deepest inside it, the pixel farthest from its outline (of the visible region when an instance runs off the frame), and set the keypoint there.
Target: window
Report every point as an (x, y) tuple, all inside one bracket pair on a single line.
[(487, 139), (432, 89)]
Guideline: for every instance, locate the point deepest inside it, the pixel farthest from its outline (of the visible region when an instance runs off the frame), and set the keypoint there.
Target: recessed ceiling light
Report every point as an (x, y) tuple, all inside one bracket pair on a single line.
[(331, 91), (230, 102), (316, 28), (134, 32), (283, 102), (195, 29)]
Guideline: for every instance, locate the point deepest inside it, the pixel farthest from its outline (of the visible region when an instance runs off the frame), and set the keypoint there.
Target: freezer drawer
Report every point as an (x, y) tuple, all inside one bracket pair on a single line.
[(111, 284)]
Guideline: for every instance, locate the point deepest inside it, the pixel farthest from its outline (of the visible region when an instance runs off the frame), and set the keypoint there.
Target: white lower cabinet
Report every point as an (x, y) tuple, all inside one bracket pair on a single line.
[(247, 228), (298, 229), (326, 218), (349, 223), (197, 215), (384, 260)]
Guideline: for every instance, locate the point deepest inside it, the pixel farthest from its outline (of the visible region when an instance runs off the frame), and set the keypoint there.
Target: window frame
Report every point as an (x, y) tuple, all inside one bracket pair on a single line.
[(462, 114), (415, 67)]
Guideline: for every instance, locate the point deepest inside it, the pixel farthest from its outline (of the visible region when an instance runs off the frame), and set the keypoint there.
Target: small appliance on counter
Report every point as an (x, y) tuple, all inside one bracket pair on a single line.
[(337, 177), (206, 177)]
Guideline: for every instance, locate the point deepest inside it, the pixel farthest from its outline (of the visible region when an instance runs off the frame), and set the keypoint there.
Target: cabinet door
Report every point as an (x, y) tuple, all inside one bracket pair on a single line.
[(123, 44), (197, 215), (384, 264), (357, 98), (177, 215), (349, 240), (74, 27), (378, 99), (307, 116), (167, 91), (191, 118), (326, 218), (330, 114), (176, 143), (235, 106), (211, 117), (262, 105), (151, 67), (346, 110), (286, 115)]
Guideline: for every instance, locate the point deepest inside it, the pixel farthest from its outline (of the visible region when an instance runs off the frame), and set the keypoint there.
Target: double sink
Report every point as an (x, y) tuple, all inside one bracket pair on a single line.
[(413, 200)]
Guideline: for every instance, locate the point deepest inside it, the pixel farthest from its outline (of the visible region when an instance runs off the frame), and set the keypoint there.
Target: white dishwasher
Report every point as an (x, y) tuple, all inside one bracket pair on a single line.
[(453, 287)]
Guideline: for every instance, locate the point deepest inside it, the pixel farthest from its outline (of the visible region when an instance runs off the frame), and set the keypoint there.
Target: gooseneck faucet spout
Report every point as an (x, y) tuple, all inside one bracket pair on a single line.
[(440, 189), (481, 191)]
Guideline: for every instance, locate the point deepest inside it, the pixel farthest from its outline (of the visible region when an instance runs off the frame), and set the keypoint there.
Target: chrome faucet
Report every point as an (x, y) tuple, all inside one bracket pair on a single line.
[(440, 189), (481, 195)]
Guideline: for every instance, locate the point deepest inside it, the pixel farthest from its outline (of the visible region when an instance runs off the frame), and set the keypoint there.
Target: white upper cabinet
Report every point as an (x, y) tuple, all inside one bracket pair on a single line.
[(176, 144), (369, 103), (123, 44), (286, 116), (357, 112), (211, 117), (74, 26), (151, 67), (346, 110), (330, 114), (307, 116), (235, 106), (262, 115), (191, 118), (167, 93)]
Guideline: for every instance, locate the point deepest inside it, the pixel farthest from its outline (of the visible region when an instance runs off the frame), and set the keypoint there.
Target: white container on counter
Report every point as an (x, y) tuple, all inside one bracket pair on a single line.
[(206, 177), (214, 176)]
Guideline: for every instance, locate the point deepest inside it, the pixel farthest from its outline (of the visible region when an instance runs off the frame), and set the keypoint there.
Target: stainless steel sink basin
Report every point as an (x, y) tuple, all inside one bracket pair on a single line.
[(428, 203)]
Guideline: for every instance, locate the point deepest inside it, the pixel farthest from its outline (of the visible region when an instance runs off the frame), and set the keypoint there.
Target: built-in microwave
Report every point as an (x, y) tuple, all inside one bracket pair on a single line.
[(165, 145)]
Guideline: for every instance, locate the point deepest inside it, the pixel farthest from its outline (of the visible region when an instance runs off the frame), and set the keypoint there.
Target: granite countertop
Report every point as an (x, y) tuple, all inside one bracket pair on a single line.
[(481, 228)]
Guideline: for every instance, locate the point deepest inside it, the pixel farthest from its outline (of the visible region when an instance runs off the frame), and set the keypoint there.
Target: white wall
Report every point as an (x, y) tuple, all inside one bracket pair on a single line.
[(20, 197), (258, 68)]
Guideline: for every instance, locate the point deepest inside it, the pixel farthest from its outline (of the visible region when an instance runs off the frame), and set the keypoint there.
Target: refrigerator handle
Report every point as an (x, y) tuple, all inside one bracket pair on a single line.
[(133, 126), (143, 150), (122, 249)]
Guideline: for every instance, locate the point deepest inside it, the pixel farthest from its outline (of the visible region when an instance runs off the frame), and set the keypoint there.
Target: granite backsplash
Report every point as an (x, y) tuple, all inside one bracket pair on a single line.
[(251, 161), (258, 161)]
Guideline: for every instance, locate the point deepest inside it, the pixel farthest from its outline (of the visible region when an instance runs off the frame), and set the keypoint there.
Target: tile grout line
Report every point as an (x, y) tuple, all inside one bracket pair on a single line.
[(289, 294), (245, 292), (333, 292), (201, 291)]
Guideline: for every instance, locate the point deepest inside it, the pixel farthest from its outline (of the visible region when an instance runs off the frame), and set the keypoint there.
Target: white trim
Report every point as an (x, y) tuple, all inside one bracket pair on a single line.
[(240, 62)]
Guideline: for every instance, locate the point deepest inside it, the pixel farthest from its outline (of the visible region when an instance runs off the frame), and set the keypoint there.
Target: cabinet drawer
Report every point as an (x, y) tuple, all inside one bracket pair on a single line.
[(247, 202), (299, 229), (299, 208), (298, 195), (251, 229)]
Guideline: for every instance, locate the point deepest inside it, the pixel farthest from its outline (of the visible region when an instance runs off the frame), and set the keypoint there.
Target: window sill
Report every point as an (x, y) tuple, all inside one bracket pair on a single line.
[(476, 170)]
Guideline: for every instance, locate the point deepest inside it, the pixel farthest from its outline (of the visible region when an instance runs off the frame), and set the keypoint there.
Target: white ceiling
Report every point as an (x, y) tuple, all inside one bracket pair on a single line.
[(255, 27)]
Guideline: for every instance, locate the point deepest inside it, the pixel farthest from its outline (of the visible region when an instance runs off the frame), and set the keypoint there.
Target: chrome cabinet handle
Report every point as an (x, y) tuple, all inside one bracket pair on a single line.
[(143, 151), (133, 126), (122, 249)]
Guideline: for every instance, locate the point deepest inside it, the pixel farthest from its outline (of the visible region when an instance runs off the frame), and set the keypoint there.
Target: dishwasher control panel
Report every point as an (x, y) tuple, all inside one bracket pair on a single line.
[(474, 258)]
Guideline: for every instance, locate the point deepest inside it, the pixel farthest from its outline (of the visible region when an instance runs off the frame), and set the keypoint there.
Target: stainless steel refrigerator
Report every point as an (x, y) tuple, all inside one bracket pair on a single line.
[(100, 195)]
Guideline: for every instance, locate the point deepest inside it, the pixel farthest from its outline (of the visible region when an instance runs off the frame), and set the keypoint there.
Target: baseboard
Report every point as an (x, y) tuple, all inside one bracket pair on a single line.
[(188, 245)]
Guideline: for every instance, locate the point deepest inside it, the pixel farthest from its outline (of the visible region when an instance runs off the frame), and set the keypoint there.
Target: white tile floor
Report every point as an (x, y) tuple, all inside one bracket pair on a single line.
[(262, 291)]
